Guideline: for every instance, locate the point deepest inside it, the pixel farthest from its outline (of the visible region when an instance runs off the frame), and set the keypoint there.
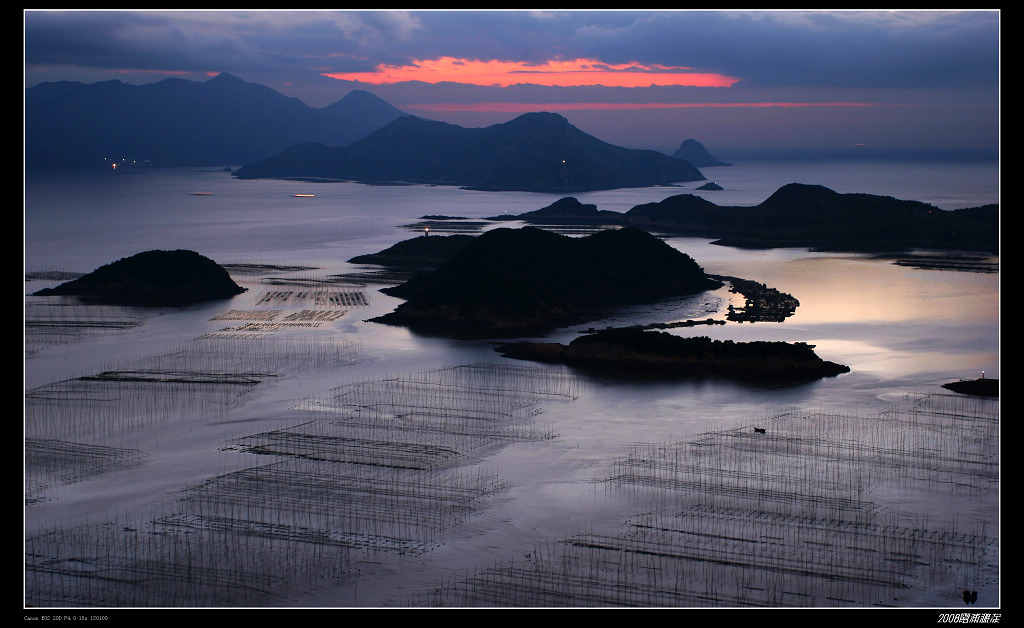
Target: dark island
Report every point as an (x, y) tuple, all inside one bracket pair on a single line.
[(152, 278), (981, 387), (535, 152), (628, 352), (568, 210), (803, 216), (424, 252), (523, 282), (694, 152)]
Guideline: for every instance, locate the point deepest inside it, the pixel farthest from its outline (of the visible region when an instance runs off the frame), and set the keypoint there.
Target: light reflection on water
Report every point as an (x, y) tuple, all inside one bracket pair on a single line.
[(80, 220), (899, 328), (880, 318)]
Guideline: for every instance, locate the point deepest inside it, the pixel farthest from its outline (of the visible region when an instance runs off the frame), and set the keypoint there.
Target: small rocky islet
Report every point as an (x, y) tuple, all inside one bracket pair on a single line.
[(982, 387)]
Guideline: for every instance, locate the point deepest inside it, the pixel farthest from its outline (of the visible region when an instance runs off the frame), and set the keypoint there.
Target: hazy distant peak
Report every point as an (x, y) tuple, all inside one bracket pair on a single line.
[(544, 117), (694, 152), (55, 89), (224, 77), (177, 121), (361, 94), (229, 83), (365, 104)]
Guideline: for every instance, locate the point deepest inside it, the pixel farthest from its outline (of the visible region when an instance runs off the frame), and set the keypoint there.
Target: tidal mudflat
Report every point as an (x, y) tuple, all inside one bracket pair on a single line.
[(245, 453), (277, 450)]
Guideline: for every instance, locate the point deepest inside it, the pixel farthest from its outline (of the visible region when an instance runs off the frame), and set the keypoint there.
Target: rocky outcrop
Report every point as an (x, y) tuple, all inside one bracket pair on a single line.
[(981, 387)]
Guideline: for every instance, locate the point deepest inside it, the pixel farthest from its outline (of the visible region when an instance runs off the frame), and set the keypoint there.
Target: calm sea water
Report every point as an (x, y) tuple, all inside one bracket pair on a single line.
[(893, 325), (81, 219), (900, 329)]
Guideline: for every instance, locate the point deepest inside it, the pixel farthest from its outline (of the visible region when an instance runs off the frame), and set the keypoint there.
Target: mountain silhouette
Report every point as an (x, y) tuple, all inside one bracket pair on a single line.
[(798, 215), (694, 152), (152, 278), (511, 282), (176, 122), (814, 216), (538, 152)]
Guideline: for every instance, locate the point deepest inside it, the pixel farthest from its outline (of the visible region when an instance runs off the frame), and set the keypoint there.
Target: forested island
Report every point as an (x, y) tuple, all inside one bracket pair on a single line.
[(152, 278), (424, 254), (521, 282), (627, 352)]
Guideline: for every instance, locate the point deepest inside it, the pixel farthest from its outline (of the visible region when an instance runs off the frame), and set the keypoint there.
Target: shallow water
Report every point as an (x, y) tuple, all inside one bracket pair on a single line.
[(901, 330)]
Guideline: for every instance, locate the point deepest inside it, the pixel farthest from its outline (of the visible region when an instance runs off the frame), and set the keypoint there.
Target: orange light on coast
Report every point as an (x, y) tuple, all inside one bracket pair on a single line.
[(551, 73)]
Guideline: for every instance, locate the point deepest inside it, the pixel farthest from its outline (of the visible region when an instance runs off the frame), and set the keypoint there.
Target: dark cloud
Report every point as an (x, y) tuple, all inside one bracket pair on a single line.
[(826, 49), (143, 41), (822, 49), (933, 68)]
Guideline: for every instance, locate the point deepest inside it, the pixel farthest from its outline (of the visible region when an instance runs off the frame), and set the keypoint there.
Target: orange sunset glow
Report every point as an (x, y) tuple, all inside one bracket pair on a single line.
[(513, 107), (551, 73)]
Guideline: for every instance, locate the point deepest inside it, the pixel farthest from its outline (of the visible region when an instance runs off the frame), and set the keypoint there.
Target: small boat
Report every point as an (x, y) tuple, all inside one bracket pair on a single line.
[(302, 195), (202, 193)]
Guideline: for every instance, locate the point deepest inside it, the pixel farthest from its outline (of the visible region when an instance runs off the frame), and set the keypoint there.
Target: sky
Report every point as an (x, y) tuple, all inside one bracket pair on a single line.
[(737, 81)]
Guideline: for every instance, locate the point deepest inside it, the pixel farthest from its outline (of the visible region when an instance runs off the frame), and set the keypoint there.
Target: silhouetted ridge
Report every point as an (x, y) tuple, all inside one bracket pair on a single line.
[(799, 215), (178, 122), (568, 206), (800, 195), (539, 152), (566, 210), (419, 252)]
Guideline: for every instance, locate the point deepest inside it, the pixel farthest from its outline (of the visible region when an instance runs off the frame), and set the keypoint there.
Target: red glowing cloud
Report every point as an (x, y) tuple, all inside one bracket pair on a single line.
[(552, 73), (513, 107)]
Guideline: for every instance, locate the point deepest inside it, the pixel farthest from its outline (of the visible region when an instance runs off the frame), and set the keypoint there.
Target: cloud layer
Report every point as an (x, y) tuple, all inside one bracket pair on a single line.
[(919, 65)]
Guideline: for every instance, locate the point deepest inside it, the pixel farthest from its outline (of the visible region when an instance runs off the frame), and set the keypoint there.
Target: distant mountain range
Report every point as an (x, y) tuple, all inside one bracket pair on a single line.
[(537, 152), (176, 122)]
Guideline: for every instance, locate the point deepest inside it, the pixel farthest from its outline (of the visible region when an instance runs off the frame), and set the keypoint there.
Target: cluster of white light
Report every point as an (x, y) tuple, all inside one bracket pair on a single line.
[(124, 162)]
